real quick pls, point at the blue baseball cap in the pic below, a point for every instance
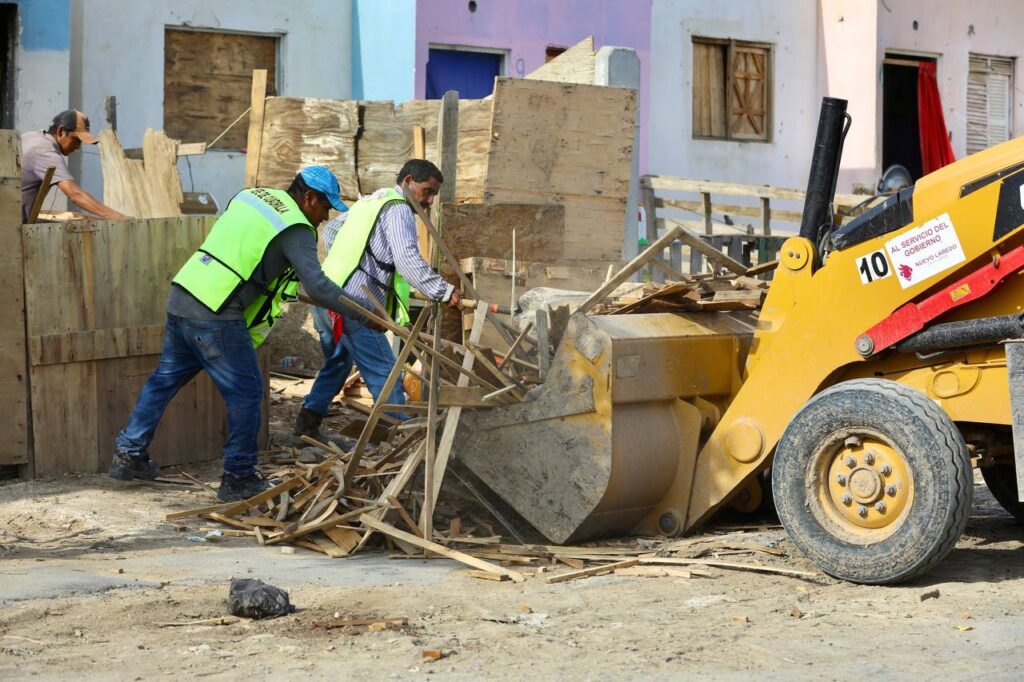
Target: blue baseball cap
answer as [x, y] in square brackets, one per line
[323, 181]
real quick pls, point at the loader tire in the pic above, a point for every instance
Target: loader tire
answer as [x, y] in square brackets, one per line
[872, 481]
[1001, 479]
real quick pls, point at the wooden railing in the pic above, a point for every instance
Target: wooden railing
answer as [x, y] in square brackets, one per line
[744, 221]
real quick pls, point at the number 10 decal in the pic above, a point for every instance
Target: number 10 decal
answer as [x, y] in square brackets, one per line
[873, 266]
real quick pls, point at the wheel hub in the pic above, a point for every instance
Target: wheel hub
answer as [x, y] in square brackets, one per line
[869, 485]
[865, 485]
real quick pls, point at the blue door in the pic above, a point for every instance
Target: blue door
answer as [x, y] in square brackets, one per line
[470, 73]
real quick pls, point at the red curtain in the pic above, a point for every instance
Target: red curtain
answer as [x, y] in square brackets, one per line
[936, 151]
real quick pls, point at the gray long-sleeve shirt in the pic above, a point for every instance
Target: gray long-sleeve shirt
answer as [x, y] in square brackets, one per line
[295, 246]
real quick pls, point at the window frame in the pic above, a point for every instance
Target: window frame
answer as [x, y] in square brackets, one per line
[730, 45]
[1011, 63]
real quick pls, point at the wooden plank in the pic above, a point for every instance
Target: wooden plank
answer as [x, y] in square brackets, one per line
[757, 568]
[391, 531]
[710, 252]
[587, 572]
[731, 209]
[651, 252]
[384, 143]
[83, 346]
[451, 423]
[447, 146]
[543, 342]
[378, 409]
[675, 184]
[569, 144]
[419, 151]
[298, 132]
[575, 65]
[162, 182]
[44, 189]
[14, 373]
[257, 118]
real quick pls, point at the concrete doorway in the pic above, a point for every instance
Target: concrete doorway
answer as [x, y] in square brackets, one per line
[901, 130]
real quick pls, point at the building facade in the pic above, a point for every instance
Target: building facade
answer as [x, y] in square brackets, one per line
[736, 87]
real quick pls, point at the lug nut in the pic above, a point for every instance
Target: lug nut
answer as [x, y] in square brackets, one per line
[850, 461]
[840, 479]
[890, 490]
[847, 500]
[880, 507]
[886, 469]
[869, 458]
[862, 510]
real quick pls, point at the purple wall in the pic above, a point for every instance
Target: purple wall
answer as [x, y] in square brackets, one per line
[527, 27]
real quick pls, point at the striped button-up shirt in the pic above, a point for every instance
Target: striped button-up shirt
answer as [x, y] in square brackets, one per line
[392, 241]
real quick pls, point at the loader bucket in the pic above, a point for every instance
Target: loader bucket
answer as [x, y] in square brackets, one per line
[616, 426]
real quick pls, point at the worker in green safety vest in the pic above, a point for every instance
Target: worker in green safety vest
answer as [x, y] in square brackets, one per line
[373, 248]
[223, 303]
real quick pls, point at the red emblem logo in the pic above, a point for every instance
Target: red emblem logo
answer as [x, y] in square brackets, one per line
[906, 271]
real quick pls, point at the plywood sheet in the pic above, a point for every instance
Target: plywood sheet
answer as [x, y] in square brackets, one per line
[14, 446]
[486, 230]
[300, 132]
[94, 290]
[567, 144]
[147, 188]
[386, 142]
[207, 77]
[575, 65]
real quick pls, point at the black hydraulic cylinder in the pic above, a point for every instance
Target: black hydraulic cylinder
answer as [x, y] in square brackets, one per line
[821, 185]
[987, 330]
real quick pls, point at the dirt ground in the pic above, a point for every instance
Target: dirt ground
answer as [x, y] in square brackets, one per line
[89, 571]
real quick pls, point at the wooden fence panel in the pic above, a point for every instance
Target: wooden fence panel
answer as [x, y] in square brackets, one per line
[96, 296]
[14, 447]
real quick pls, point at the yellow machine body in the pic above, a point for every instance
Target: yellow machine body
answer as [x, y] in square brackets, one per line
[651, 423]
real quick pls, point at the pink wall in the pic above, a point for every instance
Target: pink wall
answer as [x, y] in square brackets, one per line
[527, 27]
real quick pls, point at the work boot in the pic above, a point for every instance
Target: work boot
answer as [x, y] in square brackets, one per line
[234, 489]
[125, 467]
[307, 423]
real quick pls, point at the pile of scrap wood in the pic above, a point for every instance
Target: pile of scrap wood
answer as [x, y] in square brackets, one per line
[698, 293]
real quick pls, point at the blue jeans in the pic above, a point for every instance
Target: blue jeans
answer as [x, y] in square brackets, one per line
[225, 351]
[368, 349]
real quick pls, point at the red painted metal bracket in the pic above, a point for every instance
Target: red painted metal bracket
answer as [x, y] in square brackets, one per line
[912, 317]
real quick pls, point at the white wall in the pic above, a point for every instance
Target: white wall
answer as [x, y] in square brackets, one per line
[849, 57]
[118, 49]
[791, 27]
[991, 27]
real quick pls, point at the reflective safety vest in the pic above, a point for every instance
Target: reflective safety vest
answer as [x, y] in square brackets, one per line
[234, 247]
[353, 240]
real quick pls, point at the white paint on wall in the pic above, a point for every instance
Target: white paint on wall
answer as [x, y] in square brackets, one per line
[790, 28]
[41, 89]
[121, 48]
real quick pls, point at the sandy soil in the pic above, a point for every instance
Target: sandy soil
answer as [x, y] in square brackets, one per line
[88, 571]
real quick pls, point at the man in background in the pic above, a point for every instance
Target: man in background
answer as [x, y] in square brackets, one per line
[375, 249]
[41, 149]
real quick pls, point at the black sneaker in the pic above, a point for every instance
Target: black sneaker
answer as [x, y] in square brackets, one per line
[124, 467]
[234, 489]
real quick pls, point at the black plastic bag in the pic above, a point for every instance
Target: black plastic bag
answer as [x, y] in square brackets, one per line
[250, 598]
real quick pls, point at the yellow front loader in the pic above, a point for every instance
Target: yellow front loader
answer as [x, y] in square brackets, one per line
[874, 375]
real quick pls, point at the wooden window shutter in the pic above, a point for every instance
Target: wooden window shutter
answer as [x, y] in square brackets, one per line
[709, 89]
[749, 92]
[989, 101]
